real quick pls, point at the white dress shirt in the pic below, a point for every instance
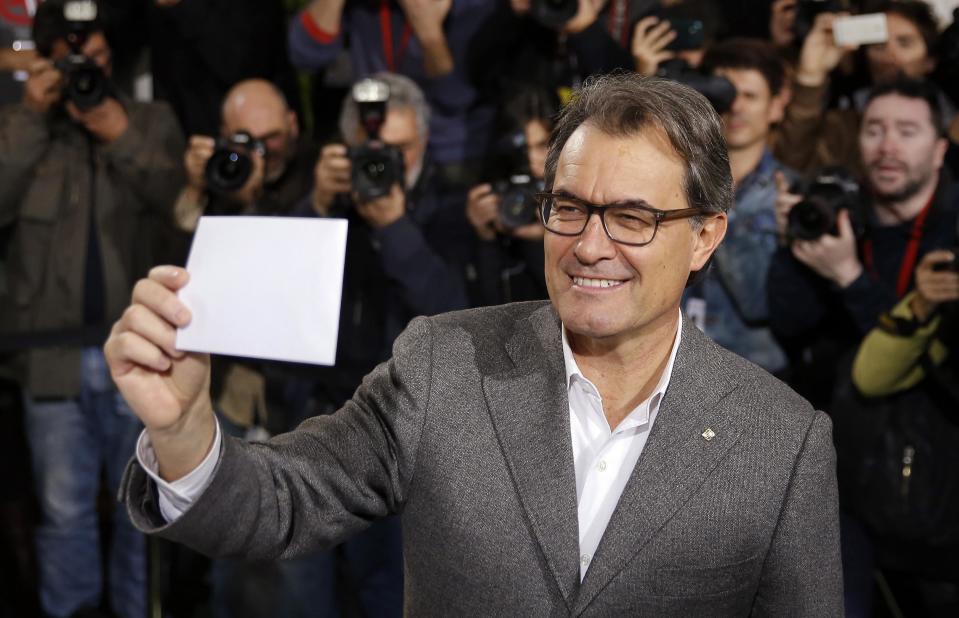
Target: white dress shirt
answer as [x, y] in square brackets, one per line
[604, 459]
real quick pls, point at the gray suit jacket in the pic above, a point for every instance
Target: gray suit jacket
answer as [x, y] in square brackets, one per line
[465, 431]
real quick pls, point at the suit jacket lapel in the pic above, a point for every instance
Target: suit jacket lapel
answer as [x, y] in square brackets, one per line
[530, 413]
[674, 463]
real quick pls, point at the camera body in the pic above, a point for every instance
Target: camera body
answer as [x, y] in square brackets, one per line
[553, 13]
[830, 191]
[516, 204]
[718, 90]
[376, 166]
[86, 84]
[231, 163]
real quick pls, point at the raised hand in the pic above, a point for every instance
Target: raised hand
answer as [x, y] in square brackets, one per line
[169, 390]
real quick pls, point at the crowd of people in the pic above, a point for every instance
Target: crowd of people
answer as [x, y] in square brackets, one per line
[122, 124]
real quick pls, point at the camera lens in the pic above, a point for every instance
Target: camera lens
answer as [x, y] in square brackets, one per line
[227, 170]
[811, 219]
[374, 169]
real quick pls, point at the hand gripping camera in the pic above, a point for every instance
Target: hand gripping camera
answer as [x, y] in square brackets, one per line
[86, 84]
[231, 163]
[831, 190]
[376, 166]
[517, 207]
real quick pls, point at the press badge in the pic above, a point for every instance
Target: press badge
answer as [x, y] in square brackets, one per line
[696, 311]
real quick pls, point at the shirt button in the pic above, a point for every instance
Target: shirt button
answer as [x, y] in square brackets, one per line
[602, 465]
[584, 559]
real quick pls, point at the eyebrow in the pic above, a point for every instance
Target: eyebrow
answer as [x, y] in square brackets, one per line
[637, 202]
[899, 124]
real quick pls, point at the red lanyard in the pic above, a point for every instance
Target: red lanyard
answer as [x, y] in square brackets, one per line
[911, 255]
[386, 32]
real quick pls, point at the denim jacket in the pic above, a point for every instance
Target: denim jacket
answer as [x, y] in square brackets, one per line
[734, 288]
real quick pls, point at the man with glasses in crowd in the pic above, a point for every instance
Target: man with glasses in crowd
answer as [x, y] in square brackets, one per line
[590, 455]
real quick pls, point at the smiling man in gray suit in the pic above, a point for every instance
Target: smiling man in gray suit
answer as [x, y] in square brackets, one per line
[594, 455]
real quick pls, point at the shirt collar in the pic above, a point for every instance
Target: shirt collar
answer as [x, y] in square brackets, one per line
[642, 412]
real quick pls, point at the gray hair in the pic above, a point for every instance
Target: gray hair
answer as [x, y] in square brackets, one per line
[404, 93]
[624, 104]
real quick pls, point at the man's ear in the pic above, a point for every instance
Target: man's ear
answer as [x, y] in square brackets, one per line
[706, 238]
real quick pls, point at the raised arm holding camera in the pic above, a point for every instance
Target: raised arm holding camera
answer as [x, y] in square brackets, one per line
[407, 238]
[812, 136]
[88, 178]
[508, 262]
[850, 252]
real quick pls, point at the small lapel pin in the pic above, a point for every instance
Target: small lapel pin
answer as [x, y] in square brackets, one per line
[709, 434]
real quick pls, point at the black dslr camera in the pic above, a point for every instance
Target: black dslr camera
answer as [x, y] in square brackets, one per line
[553, 13]
[831, 190]
[376, 166]
[718, 90]
[231, 163]
[516, 204]
[86, 84]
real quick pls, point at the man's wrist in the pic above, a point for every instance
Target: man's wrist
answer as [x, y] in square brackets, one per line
[847, 275]
[812, 78]
[922, 308]
[184, 445]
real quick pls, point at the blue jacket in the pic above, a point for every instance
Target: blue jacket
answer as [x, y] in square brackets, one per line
[734, 289]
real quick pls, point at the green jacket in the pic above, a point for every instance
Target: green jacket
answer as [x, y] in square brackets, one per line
[47, 164]
[887, 363]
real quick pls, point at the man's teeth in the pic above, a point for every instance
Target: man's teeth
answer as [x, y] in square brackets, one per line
[595, 283]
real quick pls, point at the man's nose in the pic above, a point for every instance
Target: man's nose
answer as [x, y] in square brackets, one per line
[594, 244]
[889, 145]
[737, 105]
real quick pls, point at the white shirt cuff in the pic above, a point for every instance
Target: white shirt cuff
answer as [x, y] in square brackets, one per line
[176, 497]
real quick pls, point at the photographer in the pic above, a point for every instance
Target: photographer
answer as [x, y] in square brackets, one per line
[729, 302]
[405, 247]
[88, 176]
[403, 254]
[508, 264]
[843, 264]
[904, 466]
[895, 355]
[260, 165]
[826, 293]
[809, 137]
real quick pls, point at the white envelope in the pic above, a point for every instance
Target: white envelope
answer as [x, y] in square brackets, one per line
[265, 287]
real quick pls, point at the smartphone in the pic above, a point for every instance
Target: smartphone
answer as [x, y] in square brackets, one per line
[860, 30]
[690, 34]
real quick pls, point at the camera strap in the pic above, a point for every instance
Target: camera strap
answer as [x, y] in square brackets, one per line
[386, 33]
[617, 21]
[911, 254]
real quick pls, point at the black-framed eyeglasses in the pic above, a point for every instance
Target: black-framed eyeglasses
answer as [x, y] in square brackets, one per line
[628, 224]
